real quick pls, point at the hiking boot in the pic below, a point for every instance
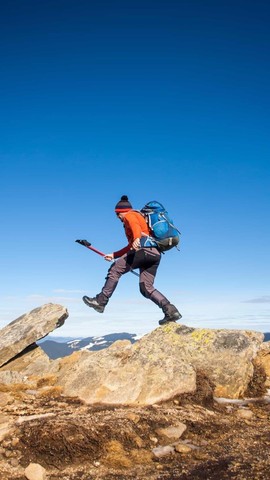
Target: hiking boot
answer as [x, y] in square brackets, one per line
[171, 314]
[92, 302]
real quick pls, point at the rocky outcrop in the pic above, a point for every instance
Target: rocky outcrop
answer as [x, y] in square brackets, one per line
[225, 356]
[162, 365]
[44, 433]
[32, 361]
[29, 328]
[166, 363]
[140, 374]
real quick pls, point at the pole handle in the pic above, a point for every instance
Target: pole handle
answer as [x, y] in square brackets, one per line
[87, 244]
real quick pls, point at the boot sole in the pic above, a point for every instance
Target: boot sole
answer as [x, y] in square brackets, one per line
[98, 309]
[176, 317]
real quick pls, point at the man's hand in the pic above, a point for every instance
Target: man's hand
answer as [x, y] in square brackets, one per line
[109, 257]
[136, 244]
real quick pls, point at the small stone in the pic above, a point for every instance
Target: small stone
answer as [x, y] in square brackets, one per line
[14, 462]
[15, 442]
[173, 432]
[163, 451]
[183, 448]
[8, 454]
[34, 471]
[244, 413]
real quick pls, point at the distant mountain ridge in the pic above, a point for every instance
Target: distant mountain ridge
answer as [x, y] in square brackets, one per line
[64, 346]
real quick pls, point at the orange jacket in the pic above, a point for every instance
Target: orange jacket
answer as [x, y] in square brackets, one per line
[134, 225]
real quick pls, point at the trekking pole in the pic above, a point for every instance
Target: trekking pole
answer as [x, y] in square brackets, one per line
[87, 244]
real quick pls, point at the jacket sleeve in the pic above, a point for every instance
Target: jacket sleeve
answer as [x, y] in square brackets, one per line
[121, 252]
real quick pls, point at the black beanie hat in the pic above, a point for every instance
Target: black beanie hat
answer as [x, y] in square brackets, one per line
[123, 205]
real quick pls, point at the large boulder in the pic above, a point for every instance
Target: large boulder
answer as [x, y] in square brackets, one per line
[161, 365]
[29, 328]
[225, 356]
[140, 374]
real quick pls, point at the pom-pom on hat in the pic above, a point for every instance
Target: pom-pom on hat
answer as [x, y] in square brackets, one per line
[123, 205]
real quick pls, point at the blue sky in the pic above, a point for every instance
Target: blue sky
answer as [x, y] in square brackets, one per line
[156, 100]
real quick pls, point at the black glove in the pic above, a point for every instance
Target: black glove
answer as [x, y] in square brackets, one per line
[85, 243]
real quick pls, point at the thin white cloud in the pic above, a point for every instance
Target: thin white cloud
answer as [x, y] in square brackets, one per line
[36, 298]
[62, 290]
[263, 299]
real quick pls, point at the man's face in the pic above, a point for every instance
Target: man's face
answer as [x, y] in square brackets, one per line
[120, 216]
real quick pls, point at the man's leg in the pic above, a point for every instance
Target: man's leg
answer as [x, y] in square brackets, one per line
[121, 266]
[148, 272]
[147, 289]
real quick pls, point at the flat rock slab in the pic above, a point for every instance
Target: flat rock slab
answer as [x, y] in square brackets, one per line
[29, 328]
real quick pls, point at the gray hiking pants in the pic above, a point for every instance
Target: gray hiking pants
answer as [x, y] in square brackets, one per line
[147, 260]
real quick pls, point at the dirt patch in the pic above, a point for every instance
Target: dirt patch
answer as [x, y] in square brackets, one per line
[116, 443]
[56, 442]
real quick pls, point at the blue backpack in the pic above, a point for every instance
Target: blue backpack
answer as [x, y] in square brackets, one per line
[162, 229]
